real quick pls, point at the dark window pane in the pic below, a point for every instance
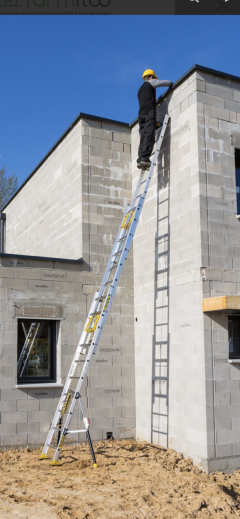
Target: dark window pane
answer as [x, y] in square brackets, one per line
[36, 350]
[234, 337]
[238, 189]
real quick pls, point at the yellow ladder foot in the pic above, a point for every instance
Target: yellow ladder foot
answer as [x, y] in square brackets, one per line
[95, 465]
[55, 462]
[43, 457]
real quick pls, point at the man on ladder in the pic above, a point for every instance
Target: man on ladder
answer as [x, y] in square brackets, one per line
[147, 116]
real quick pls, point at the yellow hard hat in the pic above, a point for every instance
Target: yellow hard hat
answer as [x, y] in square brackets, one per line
[149, 72]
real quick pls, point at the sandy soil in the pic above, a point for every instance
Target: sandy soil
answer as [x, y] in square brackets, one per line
[133, 480]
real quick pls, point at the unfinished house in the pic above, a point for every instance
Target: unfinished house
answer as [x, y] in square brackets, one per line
[167, 369]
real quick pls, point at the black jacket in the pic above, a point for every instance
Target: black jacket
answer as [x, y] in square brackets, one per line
[146, 98]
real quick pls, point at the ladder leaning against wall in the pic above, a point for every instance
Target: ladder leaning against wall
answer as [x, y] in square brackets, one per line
[98, 312]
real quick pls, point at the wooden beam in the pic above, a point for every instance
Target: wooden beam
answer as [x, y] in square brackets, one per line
[220, 303]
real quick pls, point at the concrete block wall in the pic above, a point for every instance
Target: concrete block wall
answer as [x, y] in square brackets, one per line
[218, 134]
[44, 218]
[108, 393]
[170, 366]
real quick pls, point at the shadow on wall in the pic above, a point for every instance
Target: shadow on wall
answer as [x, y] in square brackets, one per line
[160, 348]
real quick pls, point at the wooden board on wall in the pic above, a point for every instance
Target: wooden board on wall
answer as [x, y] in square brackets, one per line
[220, 303]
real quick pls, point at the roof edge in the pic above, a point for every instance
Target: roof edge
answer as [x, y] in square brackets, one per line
[184, 76]
[42, 258]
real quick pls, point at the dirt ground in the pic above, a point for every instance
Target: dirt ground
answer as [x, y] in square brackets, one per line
[133, 480]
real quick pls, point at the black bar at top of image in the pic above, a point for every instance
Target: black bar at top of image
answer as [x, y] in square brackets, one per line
[87, 7]
[217, 7]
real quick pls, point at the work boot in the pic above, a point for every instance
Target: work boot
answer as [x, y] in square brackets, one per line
[144, 164]
[138, 163]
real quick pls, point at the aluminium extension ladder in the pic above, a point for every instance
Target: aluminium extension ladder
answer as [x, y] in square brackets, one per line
[98, 313]
[27, 347]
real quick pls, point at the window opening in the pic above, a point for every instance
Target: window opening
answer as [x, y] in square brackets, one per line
[234, 336]
[36, 351]
[237, 169]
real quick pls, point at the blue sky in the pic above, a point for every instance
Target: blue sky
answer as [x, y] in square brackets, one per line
[53, 67]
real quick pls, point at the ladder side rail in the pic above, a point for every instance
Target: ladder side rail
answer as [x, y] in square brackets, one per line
[162, 133]
[115, 249]
[119, 236]
[29, 350]
[137, 188]
[24, 330]
[111, 262]
[24, 347]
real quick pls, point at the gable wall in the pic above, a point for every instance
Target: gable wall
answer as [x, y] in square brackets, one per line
[45, 219]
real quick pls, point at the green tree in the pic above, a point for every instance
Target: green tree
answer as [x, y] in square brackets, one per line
[8, 186]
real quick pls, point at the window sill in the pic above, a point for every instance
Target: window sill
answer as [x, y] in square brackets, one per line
[234, 361]
[35, 386]
[238, 217]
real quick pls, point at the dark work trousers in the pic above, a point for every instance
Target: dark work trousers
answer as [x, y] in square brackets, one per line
[147, 127]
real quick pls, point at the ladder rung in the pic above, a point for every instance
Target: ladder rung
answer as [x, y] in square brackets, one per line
[117, 253]
[131, 210]
[138, 196]
[124, 238]
[81, 346]
[143, 182]
[78, 430]
[108, 282]
[114, 267]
